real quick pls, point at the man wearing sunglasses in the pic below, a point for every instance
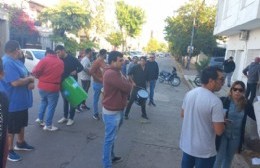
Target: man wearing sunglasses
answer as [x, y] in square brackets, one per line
[153, 73]
[203, 119]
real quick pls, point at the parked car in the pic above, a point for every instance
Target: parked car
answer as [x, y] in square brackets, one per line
[136, 54]
[217, 61]
[32, 57]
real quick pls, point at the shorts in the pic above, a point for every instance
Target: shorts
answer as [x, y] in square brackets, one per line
[17, 120]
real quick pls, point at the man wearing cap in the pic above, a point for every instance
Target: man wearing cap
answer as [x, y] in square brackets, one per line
[229, 67]
[252, 72]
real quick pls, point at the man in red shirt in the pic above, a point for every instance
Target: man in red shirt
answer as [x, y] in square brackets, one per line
[49, 72]
[116, 90]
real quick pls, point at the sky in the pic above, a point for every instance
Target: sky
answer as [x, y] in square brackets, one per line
[156, 12]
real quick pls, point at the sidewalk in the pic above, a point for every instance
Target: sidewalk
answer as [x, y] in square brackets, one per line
[242, 160]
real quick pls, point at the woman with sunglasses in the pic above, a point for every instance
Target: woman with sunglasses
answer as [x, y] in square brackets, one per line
[236, 108]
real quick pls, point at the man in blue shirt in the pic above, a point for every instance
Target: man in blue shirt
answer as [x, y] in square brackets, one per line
[18, 85]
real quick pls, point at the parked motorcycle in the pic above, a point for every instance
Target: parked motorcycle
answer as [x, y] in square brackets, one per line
[170, 78]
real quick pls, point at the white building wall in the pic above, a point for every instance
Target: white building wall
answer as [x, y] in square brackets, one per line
[232, 17]
[236, 15]
[244, 52]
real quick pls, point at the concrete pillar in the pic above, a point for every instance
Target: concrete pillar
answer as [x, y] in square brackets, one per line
[4, 30]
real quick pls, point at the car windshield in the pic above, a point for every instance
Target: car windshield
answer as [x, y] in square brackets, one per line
[39, 54]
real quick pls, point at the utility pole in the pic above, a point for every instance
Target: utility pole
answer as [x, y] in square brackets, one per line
[190, 47]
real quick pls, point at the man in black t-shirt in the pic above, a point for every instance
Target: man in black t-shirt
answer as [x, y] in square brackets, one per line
[138, 74]
[72, 67]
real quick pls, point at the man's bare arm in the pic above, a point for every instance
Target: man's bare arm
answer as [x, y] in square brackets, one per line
[182, 113]
[219, 127]
[23, 81]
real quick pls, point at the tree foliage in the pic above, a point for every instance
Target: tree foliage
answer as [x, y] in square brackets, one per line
[97, 25]
[179, 27]
[152, 46]
[67, 17]
[72, 17]
[22, 26]
[115, 38]
[130, 20]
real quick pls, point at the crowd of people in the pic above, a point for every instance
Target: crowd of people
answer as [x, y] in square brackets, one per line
[212, 129]
[104, 73]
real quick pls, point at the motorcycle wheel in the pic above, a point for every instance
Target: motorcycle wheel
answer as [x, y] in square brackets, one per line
[161, 80]
[197, 81]
[176, 81]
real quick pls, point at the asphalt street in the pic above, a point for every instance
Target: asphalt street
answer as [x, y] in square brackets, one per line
[141, 145]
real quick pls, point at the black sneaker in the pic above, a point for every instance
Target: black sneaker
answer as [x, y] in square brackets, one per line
[145, 117]
[85, 107]
[79, 110]
[126, 118]
[96, 117]
[23, 146]
[150, 103]
[153, 104]
[117, 159]
[13, 156]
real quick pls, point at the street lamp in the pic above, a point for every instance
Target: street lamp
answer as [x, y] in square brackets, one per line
[190, 47]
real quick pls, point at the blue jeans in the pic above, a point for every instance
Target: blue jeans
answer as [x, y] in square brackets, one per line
[228, 148]
[228, 76]
[189, 161]
[50, 100]
[251, 90]
[69, 111]
[97, 90]
[112, 125]
[152, 87]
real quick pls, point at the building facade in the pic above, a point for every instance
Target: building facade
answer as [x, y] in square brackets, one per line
[239, 21]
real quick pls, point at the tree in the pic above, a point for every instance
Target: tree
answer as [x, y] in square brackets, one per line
[66, 18]
[152, 46]
[163, 47]
[130, 20]
[22, 27]
[115, 38]
[97, 25]
[179, 27]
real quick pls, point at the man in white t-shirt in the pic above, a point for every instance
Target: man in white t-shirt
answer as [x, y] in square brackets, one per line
[85, 76]
[203, 119]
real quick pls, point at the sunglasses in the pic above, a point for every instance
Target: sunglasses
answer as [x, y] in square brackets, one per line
[238, 89]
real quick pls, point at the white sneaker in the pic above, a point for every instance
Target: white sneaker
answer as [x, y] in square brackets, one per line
[50, 128]
[62, 120]
[70, 122]
[40, 122]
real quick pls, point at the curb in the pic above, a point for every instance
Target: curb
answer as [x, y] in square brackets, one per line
[184, 79]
